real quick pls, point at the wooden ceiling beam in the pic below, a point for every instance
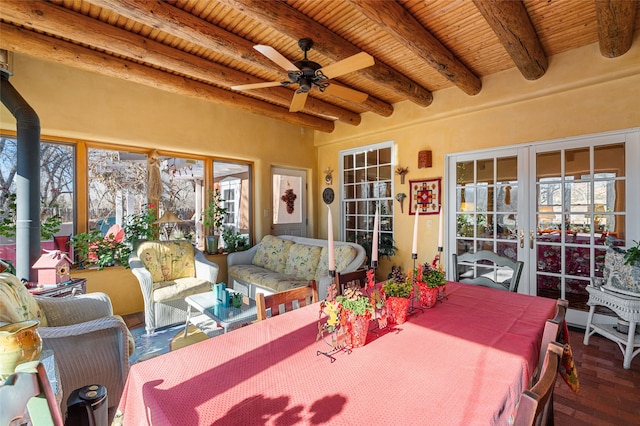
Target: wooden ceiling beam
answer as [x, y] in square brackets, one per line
[616, 22]
[393, 18]
[50, 49]
[181, 24]
[510, 21]
[289, 21]
[62, 22]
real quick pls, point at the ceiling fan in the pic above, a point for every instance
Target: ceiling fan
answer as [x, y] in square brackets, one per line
[308, 74]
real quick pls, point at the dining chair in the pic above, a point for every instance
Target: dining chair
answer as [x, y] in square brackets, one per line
[351, 279]
[284, 301]
[486, 268]
[536, 404]
[552, 329]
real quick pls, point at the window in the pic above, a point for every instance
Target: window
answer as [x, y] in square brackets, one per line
[57, 201]
[117, 186]
[366, 180]
[233, 179]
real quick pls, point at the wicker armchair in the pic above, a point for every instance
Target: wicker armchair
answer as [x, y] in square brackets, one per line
[169, 271]
[89, 343]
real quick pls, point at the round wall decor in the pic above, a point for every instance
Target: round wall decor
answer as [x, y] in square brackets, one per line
[327, 195]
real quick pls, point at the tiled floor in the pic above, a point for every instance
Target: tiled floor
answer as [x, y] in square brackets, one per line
[609, 394]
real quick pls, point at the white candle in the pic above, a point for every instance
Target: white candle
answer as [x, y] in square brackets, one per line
[331, 254]
[440, 229]
[374, 245]
[414, 247]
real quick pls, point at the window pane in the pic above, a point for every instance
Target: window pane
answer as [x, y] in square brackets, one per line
[117, 187]
[234, 182]
[182, 180]
[57, 177]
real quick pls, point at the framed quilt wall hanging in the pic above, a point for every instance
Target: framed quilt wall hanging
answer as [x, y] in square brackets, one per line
[424, 196]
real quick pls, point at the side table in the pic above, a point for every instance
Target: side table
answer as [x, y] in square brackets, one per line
[70, 288]
[225, 316]
[627, 308]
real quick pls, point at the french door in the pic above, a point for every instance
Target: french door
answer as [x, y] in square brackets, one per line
[554, 205]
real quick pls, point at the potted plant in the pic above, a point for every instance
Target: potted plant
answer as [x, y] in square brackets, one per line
[398, 291]
[234, 241]
[235, 299]
[139, 227]
[431, 282]
[357, 311]
[81, 244]
[212, 218]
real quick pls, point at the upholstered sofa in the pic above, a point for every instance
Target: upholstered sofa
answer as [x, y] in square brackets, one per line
[169, 271]
[279, 263]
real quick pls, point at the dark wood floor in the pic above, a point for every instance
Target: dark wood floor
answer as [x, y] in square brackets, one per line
[609, 394]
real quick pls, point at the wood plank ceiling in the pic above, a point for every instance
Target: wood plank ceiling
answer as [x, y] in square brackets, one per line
[201, 48]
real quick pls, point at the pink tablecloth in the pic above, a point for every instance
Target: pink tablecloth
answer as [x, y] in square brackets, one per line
[465, 361]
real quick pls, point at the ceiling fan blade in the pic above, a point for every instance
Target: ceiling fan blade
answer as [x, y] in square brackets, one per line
[345, 66]
[346, 93]
[276, 57]
[298, 101]
[257, 85]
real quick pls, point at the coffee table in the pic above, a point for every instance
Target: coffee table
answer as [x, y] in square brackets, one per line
[225, 316]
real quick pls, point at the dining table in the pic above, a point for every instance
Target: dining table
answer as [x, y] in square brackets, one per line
[463, 362]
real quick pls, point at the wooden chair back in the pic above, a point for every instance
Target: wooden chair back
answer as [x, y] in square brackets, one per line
[536, 404]
[285, 301]
[552, 329]
[351, 279]
[480, 269]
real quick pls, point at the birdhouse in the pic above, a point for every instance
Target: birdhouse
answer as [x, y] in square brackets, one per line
[53, 268]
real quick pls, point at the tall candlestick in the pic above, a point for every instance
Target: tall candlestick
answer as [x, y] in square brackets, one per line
[440, 229]
[414, 247]
[374, 245]
[331, 254]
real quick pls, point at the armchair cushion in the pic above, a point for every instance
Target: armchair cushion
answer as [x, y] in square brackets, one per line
[16, 303]
[273, 253]
[179, 288]
[167, 260]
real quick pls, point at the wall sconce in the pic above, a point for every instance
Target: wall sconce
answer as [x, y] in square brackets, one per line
[402, 171]
[328, 179]
[424, 159]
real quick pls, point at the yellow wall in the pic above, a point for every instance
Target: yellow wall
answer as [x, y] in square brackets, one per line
[77, 104]
[581, 93]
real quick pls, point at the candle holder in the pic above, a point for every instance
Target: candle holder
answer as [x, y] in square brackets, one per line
[412, 308]
[380, 317]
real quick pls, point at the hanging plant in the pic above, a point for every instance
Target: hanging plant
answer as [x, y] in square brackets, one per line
[289, 197]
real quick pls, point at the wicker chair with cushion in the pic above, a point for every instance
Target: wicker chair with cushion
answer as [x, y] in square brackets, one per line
[169, 271]
[89, 343]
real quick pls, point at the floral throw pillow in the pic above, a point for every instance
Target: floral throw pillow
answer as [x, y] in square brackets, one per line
[303, 261]
[272, 253]
[344, 255]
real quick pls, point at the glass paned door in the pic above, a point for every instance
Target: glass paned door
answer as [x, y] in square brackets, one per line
[488, 211]
[581, 207]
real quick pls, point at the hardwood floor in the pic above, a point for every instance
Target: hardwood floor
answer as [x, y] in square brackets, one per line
[609, 394]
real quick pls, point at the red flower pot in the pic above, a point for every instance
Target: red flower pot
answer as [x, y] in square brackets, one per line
[397, 309]
[428, 295]
[357, 330]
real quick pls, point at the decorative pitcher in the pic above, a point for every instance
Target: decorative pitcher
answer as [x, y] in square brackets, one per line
[19, 343]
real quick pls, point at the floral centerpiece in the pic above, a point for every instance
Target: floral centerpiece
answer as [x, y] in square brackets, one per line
[398, 291]
[356, 313]
[431, 282]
